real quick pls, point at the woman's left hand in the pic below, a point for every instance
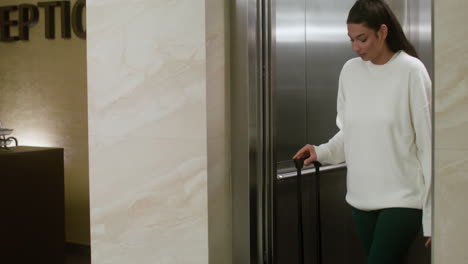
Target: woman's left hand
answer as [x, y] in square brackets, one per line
[428, 242]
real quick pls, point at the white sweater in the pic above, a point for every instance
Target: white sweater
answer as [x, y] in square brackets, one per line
[384, 116]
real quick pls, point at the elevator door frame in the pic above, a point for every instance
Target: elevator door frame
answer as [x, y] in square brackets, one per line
[251, 132]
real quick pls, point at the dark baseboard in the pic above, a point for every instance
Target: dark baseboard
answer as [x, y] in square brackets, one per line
[77, 249]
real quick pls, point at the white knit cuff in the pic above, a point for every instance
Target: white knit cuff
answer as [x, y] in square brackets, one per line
[427, 228]
[322, 153]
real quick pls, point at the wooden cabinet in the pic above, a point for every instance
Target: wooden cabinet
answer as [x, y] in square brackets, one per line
[32, 222]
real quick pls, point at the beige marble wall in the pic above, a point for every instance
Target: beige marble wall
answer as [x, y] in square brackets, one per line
[451, 130]
[219, 188]
[148, 131]
[43, 97]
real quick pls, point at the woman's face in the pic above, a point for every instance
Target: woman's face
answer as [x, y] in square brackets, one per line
[366, 42]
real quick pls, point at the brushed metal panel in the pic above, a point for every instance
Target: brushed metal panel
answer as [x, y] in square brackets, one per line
[328, 48]
[419, 30]
[289, 76]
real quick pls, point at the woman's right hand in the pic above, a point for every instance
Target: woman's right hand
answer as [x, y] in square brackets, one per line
[308, 153]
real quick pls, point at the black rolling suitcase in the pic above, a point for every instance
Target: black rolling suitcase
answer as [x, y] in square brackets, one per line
[299, 163]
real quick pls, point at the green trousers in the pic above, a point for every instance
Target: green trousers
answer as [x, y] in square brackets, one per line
[387, 234]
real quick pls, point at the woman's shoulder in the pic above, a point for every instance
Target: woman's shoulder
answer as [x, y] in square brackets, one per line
[352, 64]
[410, 63]
[412, 67]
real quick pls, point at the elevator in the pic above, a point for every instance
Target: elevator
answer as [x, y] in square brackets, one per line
[286, 57]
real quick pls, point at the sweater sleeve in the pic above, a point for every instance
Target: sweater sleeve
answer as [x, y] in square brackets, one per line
[421, 107]
[332, 152]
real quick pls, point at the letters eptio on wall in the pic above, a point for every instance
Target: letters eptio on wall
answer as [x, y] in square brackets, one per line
[21, 18]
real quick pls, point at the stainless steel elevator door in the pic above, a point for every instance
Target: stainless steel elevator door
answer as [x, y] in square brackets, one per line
[289, 76]
[328, 48]
[311, 45]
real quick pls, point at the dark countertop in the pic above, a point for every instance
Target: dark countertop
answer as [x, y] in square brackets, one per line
[22, 149]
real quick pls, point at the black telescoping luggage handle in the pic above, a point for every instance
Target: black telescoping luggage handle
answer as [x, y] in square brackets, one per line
[299, 163]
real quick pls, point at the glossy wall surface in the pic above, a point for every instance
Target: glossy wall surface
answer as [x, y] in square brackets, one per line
[451, 128]
[148, 131]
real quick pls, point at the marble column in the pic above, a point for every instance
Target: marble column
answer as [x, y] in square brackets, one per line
[148, 131]
[451, 130]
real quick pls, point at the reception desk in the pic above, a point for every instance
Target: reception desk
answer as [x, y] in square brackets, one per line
[32, 221]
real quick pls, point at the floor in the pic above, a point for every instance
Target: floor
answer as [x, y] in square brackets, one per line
[78, 259]
[77, 254]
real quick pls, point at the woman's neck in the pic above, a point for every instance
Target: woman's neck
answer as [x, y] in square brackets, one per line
[384, 56]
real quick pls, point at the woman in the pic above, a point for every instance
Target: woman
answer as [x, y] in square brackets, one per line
[384, 116]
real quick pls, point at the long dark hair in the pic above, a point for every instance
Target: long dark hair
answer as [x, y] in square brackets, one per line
[374, 13]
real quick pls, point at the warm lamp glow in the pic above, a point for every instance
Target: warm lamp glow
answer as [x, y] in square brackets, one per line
[36, 139]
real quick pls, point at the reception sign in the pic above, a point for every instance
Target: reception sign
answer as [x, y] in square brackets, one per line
[26, 16]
